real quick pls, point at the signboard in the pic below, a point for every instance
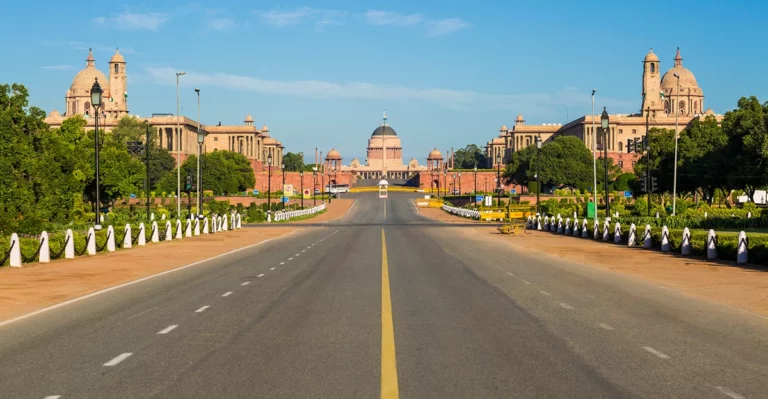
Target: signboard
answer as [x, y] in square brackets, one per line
[133, 195]
[288, 190]
[591, 210]
[285, 199]
[627, 194]
[513, 191]
[489, 201]
[478, 198]
[306, 193]
[255, 192]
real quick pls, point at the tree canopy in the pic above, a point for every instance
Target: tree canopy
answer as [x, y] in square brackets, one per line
[469, 157]
[223, 172]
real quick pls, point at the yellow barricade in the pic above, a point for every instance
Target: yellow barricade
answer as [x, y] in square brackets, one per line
[498, 215]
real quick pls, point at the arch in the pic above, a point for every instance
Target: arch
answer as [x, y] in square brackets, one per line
[621, 146]
[653, 68]
[681, 106]
[87, 109]
[666, 107]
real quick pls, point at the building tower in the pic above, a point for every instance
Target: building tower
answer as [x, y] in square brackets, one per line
[651, 84]
[118, 89]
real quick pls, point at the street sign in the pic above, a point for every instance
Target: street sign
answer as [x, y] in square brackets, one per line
[489, 201]
[285, 199]
[478, 198]
[288, 190]
[133, 195]
[628, 194]
[255, 192]
[591, 210]
[306, 193]
[513, 191]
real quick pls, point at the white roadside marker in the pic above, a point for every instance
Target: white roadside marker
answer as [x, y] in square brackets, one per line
[655, 352]
[227, 293]
[118, 359]
[168, 329]
[201, 310]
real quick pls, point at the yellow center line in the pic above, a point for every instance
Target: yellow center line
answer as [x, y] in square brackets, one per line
[389, 387]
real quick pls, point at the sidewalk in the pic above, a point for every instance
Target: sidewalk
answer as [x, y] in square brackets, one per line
[741, 287]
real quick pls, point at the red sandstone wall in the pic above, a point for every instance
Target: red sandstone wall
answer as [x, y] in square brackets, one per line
[486, 181]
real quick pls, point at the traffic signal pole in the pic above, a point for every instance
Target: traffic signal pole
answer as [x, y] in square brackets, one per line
[647, 147]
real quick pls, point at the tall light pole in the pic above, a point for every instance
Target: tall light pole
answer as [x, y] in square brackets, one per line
[146, 150]
[200, 140]
[269, 185]
[648, 178]
[96, 93]
[282, 200]
[594, 152]
[459, 182]
[453, 190]
[677, 114]
[475, 170]
[498, 179]
[538, 179]
[178, 148]
[445, 181]
[314, 186]
[604, 122]
[301, 179]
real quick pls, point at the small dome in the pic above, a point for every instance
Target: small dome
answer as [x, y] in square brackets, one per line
[503, 128]
[333, 155]
[264, 128]
[249, 118]
[519, 118]
[435, 154]
[117, 57]
[55, 114]
[384, 130]
[651, 57]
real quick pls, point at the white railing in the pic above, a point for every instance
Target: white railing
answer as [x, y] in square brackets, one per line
[194, 227]
[287, 215]
[467, 213]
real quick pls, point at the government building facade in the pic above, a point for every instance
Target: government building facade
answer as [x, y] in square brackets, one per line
[675, 95]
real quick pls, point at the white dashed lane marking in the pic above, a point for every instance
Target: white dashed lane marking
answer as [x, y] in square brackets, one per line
[290, 258]
[655, 352]
[527, 282]
[53, 397]
[545, 293]
[271, 268]
[729, 393]
[168, 329]
[511, 274]
[202, 309]
[605, 326]
[118, 359]
[565, 305]
[260, 275]
[246, 283]
[282, 263]
[227, 293]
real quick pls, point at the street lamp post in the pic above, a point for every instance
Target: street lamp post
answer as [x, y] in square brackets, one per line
[314, 186]
[200, 140]
[453, 190]
[330, 186]
[677, 114]
[648, 178]
[475, 179]
[498, 179]
[301, 179]
[445, 182]
[604, 125]
[269, 187]
[459, 183]
[282, 166]
[96, 94]
[322, 183]
[146, 150]
[594, 152]
[538, 179]
[178, 148]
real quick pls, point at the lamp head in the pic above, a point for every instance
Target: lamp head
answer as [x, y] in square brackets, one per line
[197, 91]
[96, 93]
[604, 119]
[538, 142]
[269, 159]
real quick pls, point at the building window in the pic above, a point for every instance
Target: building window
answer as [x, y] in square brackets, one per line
[634, 131]
[634, 163]
[87, 108]
[621, 131]
[621, 164]
[653, 68]
[215, 139]
[621, 147]
[117, 68]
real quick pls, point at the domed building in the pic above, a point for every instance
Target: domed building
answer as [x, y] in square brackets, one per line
[689, 100]
[115, 96]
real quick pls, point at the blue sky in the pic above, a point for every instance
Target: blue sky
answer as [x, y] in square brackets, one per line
[448, 73]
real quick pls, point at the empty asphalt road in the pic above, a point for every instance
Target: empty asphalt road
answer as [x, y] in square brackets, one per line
[384, 303]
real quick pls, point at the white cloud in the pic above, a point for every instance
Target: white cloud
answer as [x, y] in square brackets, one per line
[283, 19]
[537, 104]
[445, 26]
[127, 20]
[433, 28]
[221, 24]
[378, 17]
[60, 67]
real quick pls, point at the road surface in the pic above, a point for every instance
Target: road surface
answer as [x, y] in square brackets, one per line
[383, 303]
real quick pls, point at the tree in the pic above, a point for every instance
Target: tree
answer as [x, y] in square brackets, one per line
[703, 156]
[563, 161]
[469, 156]
[294, 162]
[223, 172]
[662, 143]
[747, 131]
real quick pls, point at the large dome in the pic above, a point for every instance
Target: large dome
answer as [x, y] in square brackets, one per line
[83, 81]
[687, 80]
[384, 130]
